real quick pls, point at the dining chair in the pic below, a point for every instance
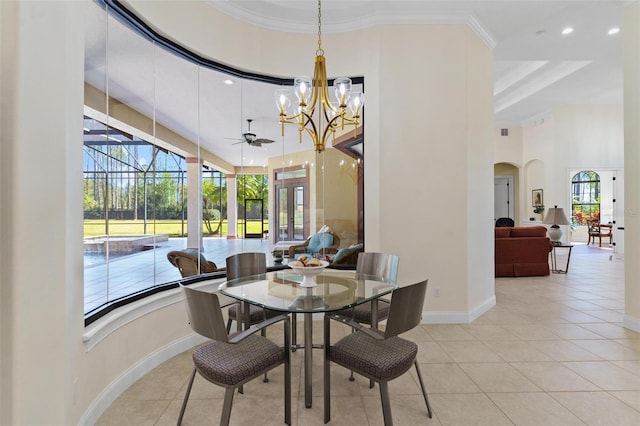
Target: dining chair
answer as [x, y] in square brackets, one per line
[380, 356]
[231, 361]
[369, 263]
[243, 265]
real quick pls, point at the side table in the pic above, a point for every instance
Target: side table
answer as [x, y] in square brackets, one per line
[554, 262]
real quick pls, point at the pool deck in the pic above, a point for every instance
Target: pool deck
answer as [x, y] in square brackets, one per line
[128, 274]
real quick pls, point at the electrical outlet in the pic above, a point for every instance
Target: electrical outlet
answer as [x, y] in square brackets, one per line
[436, 292]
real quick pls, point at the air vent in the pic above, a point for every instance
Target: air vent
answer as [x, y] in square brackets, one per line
[504, 132]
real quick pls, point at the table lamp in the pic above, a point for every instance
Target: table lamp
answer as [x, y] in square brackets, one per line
[555, 216]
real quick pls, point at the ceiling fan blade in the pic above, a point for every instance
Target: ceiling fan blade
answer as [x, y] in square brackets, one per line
[262, 140]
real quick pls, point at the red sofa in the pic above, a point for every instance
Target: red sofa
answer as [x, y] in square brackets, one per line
[522, 251]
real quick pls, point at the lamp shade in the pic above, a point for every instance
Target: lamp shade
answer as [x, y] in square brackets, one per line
[556, 216]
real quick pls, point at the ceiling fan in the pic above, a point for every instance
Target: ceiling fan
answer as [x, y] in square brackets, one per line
[251, 138]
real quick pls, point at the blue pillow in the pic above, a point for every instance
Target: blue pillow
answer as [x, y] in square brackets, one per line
[342, 253]
[319, 241]
[195, 253]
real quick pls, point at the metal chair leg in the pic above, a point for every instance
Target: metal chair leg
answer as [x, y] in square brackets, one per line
[294, 332]
[226, 407]
[229, 325]
[386, 404]
[263, 333]
[424, 389]
[186, 396]
[287, 373]
[327, 370]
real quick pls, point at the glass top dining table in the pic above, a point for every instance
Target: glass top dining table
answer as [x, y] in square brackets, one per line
[282, 291]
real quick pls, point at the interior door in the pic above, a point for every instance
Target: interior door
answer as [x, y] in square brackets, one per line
[503, 197]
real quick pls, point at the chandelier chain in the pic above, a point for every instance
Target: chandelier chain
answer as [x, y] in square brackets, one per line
[319, 52]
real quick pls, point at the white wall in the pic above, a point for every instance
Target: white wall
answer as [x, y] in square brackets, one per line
[41, 222]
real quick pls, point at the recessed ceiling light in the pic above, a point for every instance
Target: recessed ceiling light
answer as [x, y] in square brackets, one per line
[229, 82]
[614, 30]
[567, 30]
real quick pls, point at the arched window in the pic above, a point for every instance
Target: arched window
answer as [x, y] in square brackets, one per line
[585, 192]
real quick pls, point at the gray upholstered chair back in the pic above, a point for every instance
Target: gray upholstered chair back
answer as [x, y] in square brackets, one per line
[205, 316]
[379, 265]
[245, 264]
[406, 307]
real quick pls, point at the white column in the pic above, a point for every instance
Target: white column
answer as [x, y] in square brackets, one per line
[631, 42]
[232, 207]
[41, 268]
[194, 203]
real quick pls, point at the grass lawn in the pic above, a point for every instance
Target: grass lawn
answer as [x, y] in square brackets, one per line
[174, 228]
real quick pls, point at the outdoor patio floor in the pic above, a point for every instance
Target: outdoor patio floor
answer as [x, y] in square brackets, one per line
[125, 275]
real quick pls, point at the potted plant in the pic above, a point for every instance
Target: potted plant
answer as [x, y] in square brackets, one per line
[277, 254]
[539, 210]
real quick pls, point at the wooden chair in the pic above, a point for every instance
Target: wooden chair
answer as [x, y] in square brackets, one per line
[599, 230]
[232, 361]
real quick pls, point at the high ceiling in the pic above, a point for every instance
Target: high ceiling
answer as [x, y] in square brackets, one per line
[536, 68]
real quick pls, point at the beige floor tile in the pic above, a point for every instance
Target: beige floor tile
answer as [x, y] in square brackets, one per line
[157, 384]
[611, 331]
[631, 398]
[609, 349]
[631, 366]
[582, 305]
[446, 332]
[554, 377]
[489, 332]
[499, 377]
[572, 331]
[134, 412]
[606, 375]
[564, 350]
[405, 410]
[532, 332]
[578, 317]
[432, 352]
[515, 351]
[467, 409]
[534, 409]
[346, 411]
[447, 378]
[608, 410]
[471, 351]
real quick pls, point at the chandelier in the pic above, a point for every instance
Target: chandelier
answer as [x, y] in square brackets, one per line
[316, 114]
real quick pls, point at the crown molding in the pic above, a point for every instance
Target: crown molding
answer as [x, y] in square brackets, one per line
[382, 14]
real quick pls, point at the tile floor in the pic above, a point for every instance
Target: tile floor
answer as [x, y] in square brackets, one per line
[551, 352]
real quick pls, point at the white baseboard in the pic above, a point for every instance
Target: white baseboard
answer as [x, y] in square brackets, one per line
[631, 323]
[458, 317]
